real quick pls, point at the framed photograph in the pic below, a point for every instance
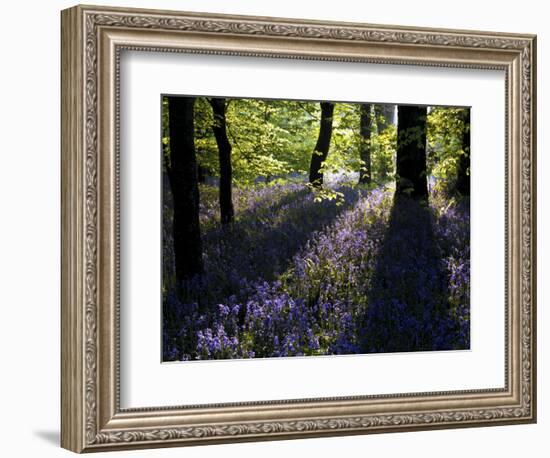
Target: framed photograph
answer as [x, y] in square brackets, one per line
[278, 228]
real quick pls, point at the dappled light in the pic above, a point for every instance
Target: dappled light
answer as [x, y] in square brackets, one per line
[324, 229]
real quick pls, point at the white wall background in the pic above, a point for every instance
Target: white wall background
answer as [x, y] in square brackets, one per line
[29, 229]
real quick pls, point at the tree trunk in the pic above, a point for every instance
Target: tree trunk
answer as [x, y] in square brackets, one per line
[185, 190]
[201, 174]
[365, 176]
[224, 151]
[463, 172]
[411, 177]
[323, 142]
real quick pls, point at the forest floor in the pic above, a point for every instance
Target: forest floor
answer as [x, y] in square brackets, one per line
[297, 276]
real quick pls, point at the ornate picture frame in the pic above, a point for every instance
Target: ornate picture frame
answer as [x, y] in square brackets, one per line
[92, 41]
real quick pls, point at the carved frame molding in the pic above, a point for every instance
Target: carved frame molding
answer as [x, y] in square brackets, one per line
[92, 39]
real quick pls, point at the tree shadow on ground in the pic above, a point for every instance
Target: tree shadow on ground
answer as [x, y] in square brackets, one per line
[260, 245]
[257, 247]
[408, 298]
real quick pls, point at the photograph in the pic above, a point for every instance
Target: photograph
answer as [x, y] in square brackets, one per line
[313, 228]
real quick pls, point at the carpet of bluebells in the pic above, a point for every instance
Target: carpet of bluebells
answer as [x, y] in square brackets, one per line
[296, 275]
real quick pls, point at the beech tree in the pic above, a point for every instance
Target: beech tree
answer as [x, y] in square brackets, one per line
[365, 173]
[322, 146]
[183, 178]
[463, 169]
[411, 177]
[219, 128]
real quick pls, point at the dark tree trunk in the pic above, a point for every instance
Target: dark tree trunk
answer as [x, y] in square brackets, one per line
[384, 116]
[411, 177]
[201, 174]
[185, 190]
[323, 142]
[463, 176]
[365, 147]
[224, 151]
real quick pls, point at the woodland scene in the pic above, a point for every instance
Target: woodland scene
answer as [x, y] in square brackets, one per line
[308, 228]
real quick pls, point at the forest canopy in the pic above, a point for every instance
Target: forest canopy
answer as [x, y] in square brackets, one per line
[273, 140]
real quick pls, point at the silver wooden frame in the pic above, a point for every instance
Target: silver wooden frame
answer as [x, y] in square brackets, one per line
[92, 39]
